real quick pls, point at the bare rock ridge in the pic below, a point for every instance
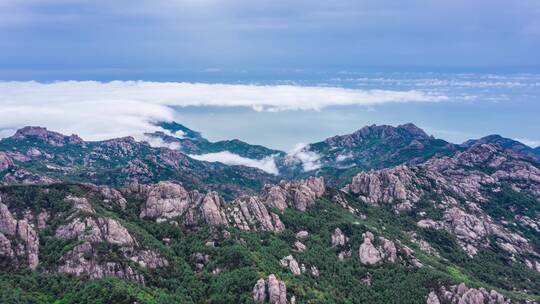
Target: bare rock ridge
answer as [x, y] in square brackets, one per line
[167, 200]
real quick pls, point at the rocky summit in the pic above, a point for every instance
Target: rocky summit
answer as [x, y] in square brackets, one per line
[382, 215]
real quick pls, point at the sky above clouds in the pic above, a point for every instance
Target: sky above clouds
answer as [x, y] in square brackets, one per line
[271, 72]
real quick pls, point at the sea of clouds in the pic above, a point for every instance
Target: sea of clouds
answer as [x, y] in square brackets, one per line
[103, 110]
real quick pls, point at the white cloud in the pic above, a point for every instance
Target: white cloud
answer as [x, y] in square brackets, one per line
[301, 154]
[266, 164]
[97, 110]
[529, 142]
[343, 157]
[159, 142]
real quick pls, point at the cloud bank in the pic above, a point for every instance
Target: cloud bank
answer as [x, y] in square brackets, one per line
[102, 110]
[301, 155]
[266, 164]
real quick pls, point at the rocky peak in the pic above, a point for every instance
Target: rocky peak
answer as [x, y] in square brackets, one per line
[505, 143]
[414, 130]
[52, 138]
[408, 130]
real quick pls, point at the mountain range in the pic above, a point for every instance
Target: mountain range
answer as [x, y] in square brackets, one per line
[383, 215]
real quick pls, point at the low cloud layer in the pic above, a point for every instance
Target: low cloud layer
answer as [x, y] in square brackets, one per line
[266, 164]
[308, 159]
[98, 110]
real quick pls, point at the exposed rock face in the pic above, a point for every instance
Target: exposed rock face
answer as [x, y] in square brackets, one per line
[168, 200]
[369, 255]
[5, 247]
[338, 238]
[505, 143]
[386, 251]
[259, 291]
[33, 152]
[291, 263]
[249, 213]
[95, 231]
[463, 295]
[80, 203]
[84, 261]
[300, 246]
[22, 176]
[271, 291]
[52, 138]
[403, 185]
[459, 186]
[298, 194]
[22, 230]
[395, 185]
[302, 235]
[5, 162]
[109, 195]
[472, 229]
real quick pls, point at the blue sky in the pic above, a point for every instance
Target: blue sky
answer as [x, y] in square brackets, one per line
[461, 69]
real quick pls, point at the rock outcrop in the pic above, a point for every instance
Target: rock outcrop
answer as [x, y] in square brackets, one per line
[473, 230]
[368, 253]
[463, 295]
[168, 200]
[87, 261]
[458, 176]
[5, 161]
[291, 263]
[52, 138]
[271, 291]
[339, 238]
[249, 213]
[24, 233]
[459, 186]
[385, 251]
[294, 194]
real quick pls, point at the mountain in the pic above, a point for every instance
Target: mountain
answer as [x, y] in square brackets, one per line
[418, 220]
[37, 155]
[454, 229]
[192, 142]
[506, 143]
[372, 147]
